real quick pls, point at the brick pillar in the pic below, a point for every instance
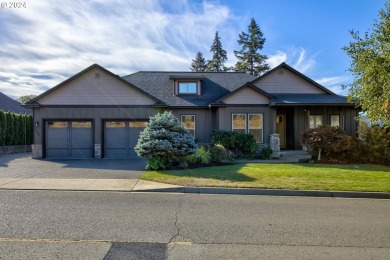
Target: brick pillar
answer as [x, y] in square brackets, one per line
[36, 151]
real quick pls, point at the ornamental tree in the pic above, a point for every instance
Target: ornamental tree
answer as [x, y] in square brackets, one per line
[164, 141]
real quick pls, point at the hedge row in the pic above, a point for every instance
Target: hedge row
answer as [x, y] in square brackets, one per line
[15, 129]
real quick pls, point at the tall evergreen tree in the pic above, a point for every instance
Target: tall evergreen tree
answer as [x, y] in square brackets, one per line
[216, 64]
[199, 63]
[249, 58]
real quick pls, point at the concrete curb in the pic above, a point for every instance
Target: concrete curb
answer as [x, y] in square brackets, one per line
[273, 192]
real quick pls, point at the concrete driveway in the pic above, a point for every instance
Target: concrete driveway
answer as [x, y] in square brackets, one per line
[19, 171]
[22, 166]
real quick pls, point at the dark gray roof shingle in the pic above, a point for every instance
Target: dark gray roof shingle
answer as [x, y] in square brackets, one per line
[214, 85]
[7, 104]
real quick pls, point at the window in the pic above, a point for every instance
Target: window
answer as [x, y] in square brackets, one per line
[115, 124]
[81, 124]
[239, 123]
[57, 124]
[137, 124]
[335, 120]
[249, 123]
[188, 121]
[315, 121]
[255, 122]
[187, 88]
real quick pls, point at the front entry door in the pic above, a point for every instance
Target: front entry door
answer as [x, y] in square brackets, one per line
[281, 129]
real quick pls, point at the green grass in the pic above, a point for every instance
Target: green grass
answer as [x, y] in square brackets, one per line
[281, 176]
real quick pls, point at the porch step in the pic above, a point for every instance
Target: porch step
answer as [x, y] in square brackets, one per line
[295, 156]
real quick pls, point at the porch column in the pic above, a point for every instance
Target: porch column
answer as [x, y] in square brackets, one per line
[273, 120]
[307, 118]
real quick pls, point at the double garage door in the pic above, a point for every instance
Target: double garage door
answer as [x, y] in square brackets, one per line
[69, 139]
[120, 138]
[74, 139]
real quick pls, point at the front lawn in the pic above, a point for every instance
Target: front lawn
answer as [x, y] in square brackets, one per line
[281, 176]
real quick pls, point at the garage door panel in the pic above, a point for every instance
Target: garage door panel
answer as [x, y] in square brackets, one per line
[69, 139]
[82, 138]
[115, 153]
[81, 153]
[121, 137]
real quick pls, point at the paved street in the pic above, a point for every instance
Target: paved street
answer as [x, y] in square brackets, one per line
[117, 225]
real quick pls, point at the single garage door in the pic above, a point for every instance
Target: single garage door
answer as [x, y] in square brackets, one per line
[120, 138]
[69, 139]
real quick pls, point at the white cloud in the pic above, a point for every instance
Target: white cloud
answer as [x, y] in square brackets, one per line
[52, 40]
[334, 83]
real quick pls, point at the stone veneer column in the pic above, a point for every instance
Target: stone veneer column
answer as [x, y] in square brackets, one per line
[274, 144]
[98, 151]
[36, 151]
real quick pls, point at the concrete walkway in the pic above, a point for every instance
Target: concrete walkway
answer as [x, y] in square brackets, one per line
[20, 172]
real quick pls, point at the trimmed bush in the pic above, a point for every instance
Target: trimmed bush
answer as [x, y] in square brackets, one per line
[265, 153]
[164, 141]
[239, 143]
[218, 153]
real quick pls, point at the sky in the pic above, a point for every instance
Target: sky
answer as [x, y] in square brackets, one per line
[45, 42]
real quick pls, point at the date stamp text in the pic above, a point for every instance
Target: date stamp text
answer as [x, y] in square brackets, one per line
[13, 5]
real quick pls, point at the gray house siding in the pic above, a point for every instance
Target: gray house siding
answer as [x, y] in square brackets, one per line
[203, 122]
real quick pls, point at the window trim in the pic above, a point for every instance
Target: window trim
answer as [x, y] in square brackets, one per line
[181, 122]
[247, 128]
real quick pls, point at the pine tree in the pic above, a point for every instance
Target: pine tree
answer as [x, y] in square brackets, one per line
[216, 64]
[249, 58]
[199, 63]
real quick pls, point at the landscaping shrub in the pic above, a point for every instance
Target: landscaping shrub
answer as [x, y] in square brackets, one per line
[202, 156]
[328, 140]
[239, 143]
[265, 153]
[164, 141]
[218, 153]
[372, 145]
[15, 129]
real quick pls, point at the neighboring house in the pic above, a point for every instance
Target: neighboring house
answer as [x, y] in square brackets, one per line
[98, 114]
[7, 104]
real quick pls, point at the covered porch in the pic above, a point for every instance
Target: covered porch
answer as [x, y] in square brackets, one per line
[292, 113]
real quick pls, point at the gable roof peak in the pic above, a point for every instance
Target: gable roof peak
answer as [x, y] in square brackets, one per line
[296, 72]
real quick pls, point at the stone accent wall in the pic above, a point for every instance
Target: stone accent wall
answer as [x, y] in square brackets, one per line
[98, 151]
[15, 149]
[274, 144]
[36, 151]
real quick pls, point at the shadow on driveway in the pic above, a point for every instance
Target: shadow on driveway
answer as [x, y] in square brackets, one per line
[22, 166]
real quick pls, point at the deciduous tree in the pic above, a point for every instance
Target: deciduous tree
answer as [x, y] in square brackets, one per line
[370, 66]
